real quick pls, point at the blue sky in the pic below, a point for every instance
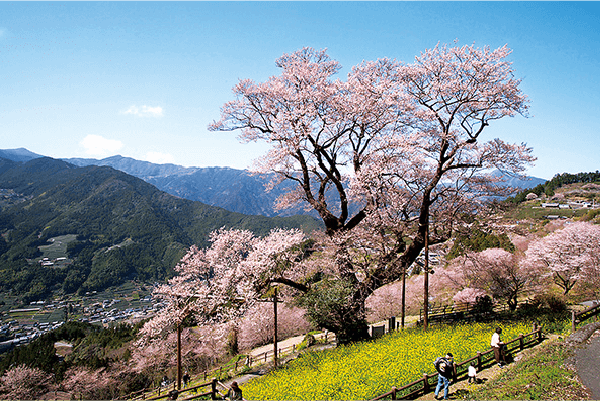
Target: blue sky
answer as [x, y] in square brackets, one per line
[144, 79]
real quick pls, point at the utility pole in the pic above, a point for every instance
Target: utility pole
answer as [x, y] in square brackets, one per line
[426, 281]
[274, 326]
[179, 356]
[403, 296]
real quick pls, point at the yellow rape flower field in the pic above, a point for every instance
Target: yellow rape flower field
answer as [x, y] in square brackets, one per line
[365, 370]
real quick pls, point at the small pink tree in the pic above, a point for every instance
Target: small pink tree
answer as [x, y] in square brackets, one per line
[569, 254]
[90, 384]
[24, 383]
[221, 283]
[493, 272]
[217, 286]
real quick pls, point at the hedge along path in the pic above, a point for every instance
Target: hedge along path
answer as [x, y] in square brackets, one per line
[368, 370]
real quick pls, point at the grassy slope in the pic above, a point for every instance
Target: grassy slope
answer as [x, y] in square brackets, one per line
[542, 375]
[366, 370]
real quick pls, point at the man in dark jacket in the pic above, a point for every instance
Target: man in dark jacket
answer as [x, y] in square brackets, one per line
[445, 369]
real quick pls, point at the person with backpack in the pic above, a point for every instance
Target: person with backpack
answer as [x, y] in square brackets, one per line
[445, 369]
[234, 393]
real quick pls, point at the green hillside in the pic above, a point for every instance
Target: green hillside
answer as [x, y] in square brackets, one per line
[111, 227]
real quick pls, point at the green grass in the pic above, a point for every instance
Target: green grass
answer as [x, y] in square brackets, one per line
[543, 375]
[58, 247]
[366, 370]
[539, 213]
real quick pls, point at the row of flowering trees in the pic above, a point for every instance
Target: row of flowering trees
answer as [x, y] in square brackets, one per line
[567, 258]
[391, 154]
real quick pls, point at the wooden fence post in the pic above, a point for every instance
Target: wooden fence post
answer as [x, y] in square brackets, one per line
[425, 383]
[479, 362]
[521, 346]
[394, 393]
[213, 389]
[205, 375]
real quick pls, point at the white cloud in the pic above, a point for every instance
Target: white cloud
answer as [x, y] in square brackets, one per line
[145, 111]
[96, 145]
[160, 158]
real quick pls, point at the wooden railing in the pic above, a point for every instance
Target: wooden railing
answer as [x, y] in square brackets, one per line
[459, 311]
[578, 317]
[484, 359]
[443, 311]
[191, 393]
[227, 370]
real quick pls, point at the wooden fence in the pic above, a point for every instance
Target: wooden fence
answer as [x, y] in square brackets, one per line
[484, 359]
[578, 317]
[228, 370]
[190, 393]
[458, 311]
[418, 387]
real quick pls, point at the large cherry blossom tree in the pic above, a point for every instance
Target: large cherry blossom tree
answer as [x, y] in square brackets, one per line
[395, 148]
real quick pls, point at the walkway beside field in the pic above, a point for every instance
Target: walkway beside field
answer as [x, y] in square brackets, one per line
[586, 361]
[461, 388]
[264, 368]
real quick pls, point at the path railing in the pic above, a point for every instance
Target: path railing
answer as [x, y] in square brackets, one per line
[459, 311]
[484, 359]
[227, 370]
[578, 317]
[190, 393]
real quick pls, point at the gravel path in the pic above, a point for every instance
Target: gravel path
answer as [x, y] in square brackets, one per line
[587, 356]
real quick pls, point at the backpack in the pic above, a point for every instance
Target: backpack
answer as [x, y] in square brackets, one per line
[441, 364]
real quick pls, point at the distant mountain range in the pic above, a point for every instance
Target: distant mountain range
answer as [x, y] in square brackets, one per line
[71, 228]
[231, 189]
[234, 190]
[87, 224]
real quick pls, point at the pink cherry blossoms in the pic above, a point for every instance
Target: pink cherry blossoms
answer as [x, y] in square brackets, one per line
[570, 254]
[221, 283]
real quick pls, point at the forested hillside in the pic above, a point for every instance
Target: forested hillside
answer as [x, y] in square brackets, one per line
[111, 226]
[549, 187]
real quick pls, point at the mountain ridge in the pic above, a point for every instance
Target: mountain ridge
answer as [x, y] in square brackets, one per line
[121, 226]
[235, 190]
